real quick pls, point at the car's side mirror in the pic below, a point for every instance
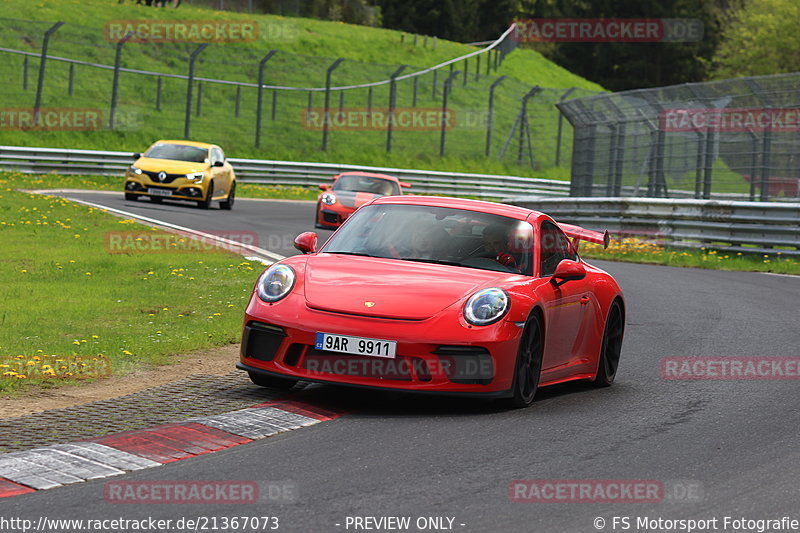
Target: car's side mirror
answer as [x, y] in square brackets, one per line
[568, 270]
[136, 155]
[306, 242]
[218, 164]
[324, 187]
[405, 184]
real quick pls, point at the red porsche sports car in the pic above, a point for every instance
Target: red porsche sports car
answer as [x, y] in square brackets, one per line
[351, 190]
[440, 295]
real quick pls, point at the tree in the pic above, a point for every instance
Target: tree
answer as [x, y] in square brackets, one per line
[620, 66]
[761, 37]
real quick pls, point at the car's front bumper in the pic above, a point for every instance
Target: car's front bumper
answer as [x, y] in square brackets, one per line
[179, 189]
[440, 354]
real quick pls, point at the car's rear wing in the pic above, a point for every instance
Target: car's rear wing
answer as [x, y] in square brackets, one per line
[577, 234]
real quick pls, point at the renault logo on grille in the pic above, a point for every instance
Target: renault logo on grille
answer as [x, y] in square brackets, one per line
[162, 176]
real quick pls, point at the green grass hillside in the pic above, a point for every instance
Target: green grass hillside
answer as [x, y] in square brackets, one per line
[305, 49]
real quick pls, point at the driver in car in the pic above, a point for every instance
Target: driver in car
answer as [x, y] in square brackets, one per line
[495, 245]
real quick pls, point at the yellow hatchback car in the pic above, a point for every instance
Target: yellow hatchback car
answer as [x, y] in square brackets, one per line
[182, 170]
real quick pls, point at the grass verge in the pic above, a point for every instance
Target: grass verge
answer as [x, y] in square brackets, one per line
[73, 309]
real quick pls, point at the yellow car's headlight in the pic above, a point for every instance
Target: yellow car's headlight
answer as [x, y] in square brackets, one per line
[197, 177]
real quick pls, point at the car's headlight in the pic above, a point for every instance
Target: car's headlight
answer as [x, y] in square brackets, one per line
[275, 283]
[135, 170]
[196, 176]
[328, 198]
[486, 306]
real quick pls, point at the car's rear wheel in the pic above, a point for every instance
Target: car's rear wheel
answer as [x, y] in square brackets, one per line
[611, 346]
[205, 204]
[228, 202]
[272, 382]
[529, 363]
[131, 197]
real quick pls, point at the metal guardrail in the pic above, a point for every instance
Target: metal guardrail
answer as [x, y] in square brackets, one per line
[730, 226]
[283, 173]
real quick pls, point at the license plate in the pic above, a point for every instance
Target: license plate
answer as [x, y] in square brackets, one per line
[159, 192]
[356, 345]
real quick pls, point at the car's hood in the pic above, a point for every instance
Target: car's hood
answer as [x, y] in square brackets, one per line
[387, 287]
[169, 166]
[354, 199]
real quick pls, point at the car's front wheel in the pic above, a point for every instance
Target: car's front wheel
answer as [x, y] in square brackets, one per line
[272, 382]
[131, 197]
[205, 204]
[529, 363]
[611, 346]
[228, 202]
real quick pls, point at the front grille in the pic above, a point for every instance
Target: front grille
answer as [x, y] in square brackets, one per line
[168, 179]
[293, 354]
[261, 341]
[322, 362]
[330, 218]
[466, 365]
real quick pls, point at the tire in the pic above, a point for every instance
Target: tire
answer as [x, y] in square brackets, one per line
[156, 199]
[528, 367]
[272, 382]
[227, 203]
[131, 197]
[611, 346]
[205, 204]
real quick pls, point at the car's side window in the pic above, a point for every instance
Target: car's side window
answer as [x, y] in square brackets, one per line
[216, 155]
[554, 247]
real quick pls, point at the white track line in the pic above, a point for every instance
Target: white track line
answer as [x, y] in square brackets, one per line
[253, 249]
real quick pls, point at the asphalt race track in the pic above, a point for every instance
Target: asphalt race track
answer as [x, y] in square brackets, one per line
[721, 448]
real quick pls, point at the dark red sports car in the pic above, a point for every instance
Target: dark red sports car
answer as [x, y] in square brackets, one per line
[349, 191]
[437, 295]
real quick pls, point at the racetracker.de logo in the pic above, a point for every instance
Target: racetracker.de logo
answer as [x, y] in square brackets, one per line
[50, 119]
[365, 119]
[585, 491]
[181, 492]
[608, 30]
[730, 120]
[188, 31]
[126, 242]
[731, 368]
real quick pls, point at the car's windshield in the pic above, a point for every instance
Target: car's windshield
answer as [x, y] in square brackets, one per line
[437, 235]
[178, 152]
[355, 183]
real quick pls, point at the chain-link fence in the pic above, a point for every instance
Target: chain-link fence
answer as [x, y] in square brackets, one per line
[143, 91]
[735, 139]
